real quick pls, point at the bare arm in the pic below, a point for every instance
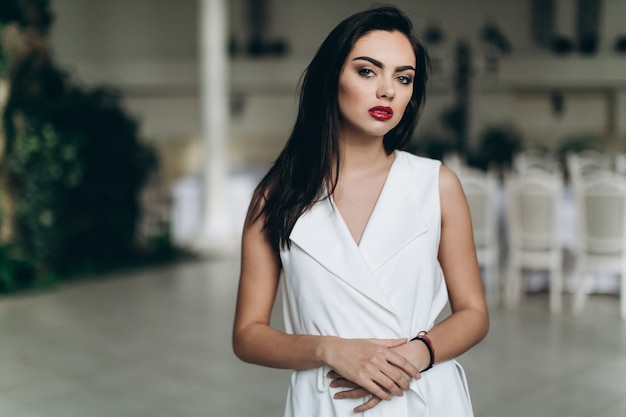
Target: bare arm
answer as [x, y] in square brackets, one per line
[253, 339]
[469, 322]
[370, 362]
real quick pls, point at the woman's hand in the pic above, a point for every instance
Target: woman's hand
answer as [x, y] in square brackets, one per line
[355, 391]
[372, 366]
[412, 351]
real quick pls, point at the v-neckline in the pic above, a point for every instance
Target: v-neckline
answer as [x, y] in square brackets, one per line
[372, 212]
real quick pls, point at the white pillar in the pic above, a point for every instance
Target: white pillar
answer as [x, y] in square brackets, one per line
[216, 233]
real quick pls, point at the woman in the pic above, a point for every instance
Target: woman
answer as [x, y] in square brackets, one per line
[372, 242]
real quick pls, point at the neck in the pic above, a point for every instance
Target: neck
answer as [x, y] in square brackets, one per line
[363, 154]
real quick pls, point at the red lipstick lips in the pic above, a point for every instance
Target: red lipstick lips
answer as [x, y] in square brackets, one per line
[381, 112]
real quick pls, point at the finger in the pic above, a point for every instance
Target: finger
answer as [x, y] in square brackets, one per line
[353, 393]
[400, 378]
[385, 376]
[333, 375]
[342, 383]
[377, 390]
[370, 386]
[389, 385]
[392, 379]
[373, 402]
[403, 364]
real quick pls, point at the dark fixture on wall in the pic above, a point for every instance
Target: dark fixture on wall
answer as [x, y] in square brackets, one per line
[620, 44]
[433, 34]
[562, 45]
[456, 119]
[495, 45]
[557, 102]
[258, 45]
[434, 38]
[543, 14]
[587, 25]
[491, 34]
[586, 38]
[543, 18]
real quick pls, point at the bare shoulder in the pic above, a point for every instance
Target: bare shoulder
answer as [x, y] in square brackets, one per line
[256, 207]
[449, 183]
[453, 203]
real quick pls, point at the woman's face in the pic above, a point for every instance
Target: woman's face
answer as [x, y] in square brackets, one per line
[376, 83]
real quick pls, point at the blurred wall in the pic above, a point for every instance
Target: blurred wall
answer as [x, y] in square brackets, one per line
[148, 49]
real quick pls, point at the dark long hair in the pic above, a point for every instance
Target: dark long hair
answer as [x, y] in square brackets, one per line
[309, 163]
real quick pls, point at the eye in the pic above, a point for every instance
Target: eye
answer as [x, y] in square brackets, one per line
[404, 79]
[366, 72]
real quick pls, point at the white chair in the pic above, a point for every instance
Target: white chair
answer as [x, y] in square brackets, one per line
[535, 159]
[481, 192]
[581, 165]
[533, 213]
[602, 235]
[588, 158]
[584, 163]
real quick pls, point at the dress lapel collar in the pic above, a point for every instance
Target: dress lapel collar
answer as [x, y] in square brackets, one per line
[323, 235]
[395, 222]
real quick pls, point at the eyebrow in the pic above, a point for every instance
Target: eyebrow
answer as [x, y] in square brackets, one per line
[379, 64]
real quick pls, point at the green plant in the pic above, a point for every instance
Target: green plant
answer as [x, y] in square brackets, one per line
[77, 172]
[71, 172]
[579, 142]
[74, 167]
[4, 60]
[45, 169]
[16, 273]
[496, 148]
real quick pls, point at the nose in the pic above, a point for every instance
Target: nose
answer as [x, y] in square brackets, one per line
[386, 90]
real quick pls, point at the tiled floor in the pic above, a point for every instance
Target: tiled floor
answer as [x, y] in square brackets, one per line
[157, 343]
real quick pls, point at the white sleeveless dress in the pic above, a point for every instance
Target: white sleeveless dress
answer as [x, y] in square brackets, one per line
[389, 286]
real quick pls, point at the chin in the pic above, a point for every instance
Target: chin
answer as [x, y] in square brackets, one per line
[374, 130]
[381, 131]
